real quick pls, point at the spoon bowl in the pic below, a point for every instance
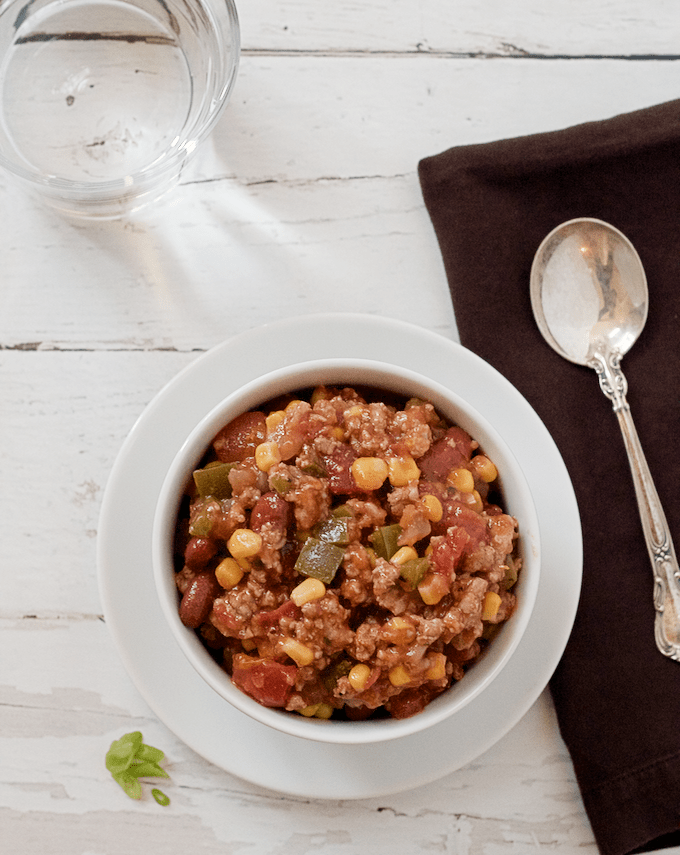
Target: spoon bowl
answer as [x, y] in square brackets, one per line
[588, 290]
[589, 297]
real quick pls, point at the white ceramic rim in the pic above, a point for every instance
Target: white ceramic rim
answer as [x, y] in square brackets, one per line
[517, 495]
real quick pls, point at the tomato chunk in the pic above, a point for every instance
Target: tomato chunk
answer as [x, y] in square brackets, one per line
[452, 451]
[447, 551]
[340, 478]
[475, 525]
[272, 618]
[239, 439]
[266, 681]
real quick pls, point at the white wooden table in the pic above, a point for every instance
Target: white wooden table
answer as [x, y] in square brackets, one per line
[305, 200]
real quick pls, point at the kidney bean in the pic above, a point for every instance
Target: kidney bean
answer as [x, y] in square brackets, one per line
[198, 551]
[270, 508]
[197, 602]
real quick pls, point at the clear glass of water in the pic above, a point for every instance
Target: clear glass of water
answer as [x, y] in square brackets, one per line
[102, 102]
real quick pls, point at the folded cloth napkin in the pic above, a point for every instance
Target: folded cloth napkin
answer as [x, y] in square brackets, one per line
[617, 698]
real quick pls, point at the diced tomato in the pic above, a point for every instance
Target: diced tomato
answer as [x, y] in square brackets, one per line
[265, 680]
[272, 618]
[340, 478]
[225, 620]
[452, 451]
[448, 550]
[464, 517]
[239, 439]
[296, 432]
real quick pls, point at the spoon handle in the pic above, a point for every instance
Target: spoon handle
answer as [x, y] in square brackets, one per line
[654, 525]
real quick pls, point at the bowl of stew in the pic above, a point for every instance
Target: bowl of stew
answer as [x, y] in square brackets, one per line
[346, 551]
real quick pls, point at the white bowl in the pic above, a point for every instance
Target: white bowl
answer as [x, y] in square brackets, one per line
[517, 501]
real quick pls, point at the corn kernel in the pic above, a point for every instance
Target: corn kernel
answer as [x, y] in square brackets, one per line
[484, 468]
[477, 504]
[434, 507]
[298, 652]
[406, 553]
[399, 676]
[248, 645]
[433, 588]
[492, 603]
[292, 405]
[244, 543]
[307, 591]
[267, 454]
[462, 480]
[324, 711]
[228, 573]
[310, 711]
[274, 420]
[338, 433]
[358, 677]
[437, 670]
[369, 472]
[402, 470]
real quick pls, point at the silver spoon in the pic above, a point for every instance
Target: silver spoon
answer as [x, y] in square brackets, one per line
[589, 297]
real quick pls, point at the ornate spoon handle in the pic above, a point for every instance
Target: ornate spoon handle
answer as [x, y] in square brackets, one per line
[654, 525]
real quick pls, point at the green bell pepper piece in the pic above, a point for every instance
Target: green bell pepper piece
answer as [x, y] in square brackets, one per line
[413, 571]
[332, 530]
[319, 559]
[214, 480]
[385, 540]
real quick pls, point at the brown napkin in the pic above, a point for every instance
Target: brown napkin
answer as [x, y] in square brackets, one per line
[617, 698]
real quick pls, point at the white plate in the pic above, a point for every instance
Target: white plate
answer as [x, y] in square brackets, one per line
[186, 704]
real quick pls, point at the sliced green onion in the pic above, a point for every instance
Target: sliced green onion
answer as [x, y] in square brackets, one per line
[160, 797]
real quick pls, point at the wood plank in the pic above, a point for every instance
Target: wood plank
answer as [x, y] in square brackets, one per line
[278, 217]
[476, 27]
[54, 734]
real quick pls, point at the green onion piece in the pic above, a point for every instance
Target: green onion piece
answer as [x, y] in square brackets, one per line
[148, 752]
[413, 571]
[122, 752]
[147, 770]
[214, 480]
[129, 783]
[385, 540]
[160, 797]
[129, 759]
[319, 559]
